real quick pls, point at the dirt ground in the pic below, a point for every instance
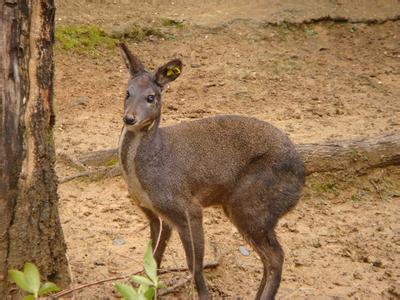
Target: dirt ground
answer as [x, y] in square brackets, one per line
[319, 81]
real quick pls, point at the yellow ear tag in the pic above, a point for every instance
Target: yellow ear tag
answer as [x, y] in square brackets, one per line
[173, 71]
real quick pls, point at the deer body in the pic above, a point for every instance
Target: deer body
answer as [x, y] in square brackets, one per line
[246, 166]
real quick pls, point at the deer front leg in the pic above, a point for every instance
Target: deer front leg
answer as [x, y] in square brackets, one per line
[190, 229]
[155, 234]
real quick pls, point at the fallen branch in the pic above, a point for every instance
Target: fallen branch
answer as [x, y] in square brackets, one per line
[107, 172]
[72, 161]
[357, 154]
[98, 158]
[176, 286]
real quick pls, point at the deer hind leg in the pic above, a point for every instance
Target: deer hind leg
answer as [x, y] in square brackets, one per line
[254, 208]
[155, 234]
[264, 242]
[190, 229]
[272, 256]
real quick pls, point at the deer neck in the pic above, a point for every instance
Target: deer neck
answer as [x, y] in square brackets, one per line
[131, 140]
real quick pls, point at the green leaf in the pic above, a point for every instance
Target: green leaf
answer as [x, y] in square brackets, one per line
[141, 297]
[32, 277]
[142, 289]
[20, 280]
[127, 292]
[149, 294]
[142, 280]
[29, 297]
[48, 288]
[150, 264]
[161, 285]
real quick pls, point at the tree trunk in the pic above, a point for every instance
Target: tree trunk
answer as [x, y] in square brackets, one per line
[30, 228]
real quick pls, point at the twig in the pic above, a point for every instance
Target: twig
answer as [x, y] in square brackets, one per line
[377, 188]
[210, 265]
[72, 177]
[142, 228]
[66, 292]
[175, 286]
[108, 171]
[73, 161]
[98, 158]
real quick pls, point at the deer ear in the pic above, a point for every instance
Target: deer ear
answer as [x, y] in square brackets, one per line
[133, 64]
[168, 72]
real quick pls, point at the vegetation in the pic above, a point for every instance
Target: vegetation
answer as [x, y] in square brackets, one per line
[137, 34]
[172, 23]
[309, 31]
[148, 284]
[83, 37]
[88, 38]
[28, 280]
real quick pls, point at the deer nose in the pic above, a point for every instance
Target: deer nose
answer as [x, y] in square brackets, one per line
[129, 119]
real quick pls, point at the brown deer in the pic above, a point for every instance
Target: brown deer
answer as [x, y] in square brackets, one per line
[248, 167]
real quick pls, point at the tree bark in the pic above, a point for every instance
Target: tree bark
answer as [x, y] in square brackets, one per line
[30, 228]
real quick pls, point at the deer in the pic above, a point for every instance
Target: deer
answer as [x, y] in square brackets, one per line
[246, 166]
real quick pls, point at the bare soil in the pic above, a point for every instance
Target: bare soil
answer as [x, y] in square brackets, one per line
[317, 81]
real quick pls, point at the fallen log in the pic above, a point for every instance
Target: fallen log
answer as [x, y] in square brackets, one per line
[99, 158]
[353, 155]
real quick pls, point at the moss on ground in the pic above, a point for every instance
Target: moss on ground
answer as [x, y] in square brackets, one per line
[83, 37]
[90, 38]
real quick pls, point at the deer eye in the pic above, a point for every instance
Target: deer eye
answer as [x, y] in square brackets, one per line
[127, 94]
[150, 98]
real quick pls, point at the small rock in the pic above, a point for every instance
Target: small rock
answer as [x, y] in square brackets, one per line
[119, 242]
[244, 251]
[316, 244]
[357, 275]
[376, 262]
[81, 101]
[87, 213]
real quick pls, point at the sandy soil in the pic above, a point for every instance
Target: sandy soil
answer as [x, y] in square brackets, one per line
[317, 82]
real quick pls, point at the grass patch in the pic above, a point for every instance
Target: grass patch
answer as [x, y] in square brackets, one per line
[309, 32]
[111, 162]
[172, 23]
[137, 34]
[283, 31]
[326, 187]
[90, 38]
[83, 37]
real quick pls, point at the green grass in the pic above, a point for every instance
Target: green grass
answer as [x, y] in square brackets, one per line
[309, 32]
[90, 38]
[137, 33]
[83, 37]
[325, 187]
[172, 23]
[111, 162]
